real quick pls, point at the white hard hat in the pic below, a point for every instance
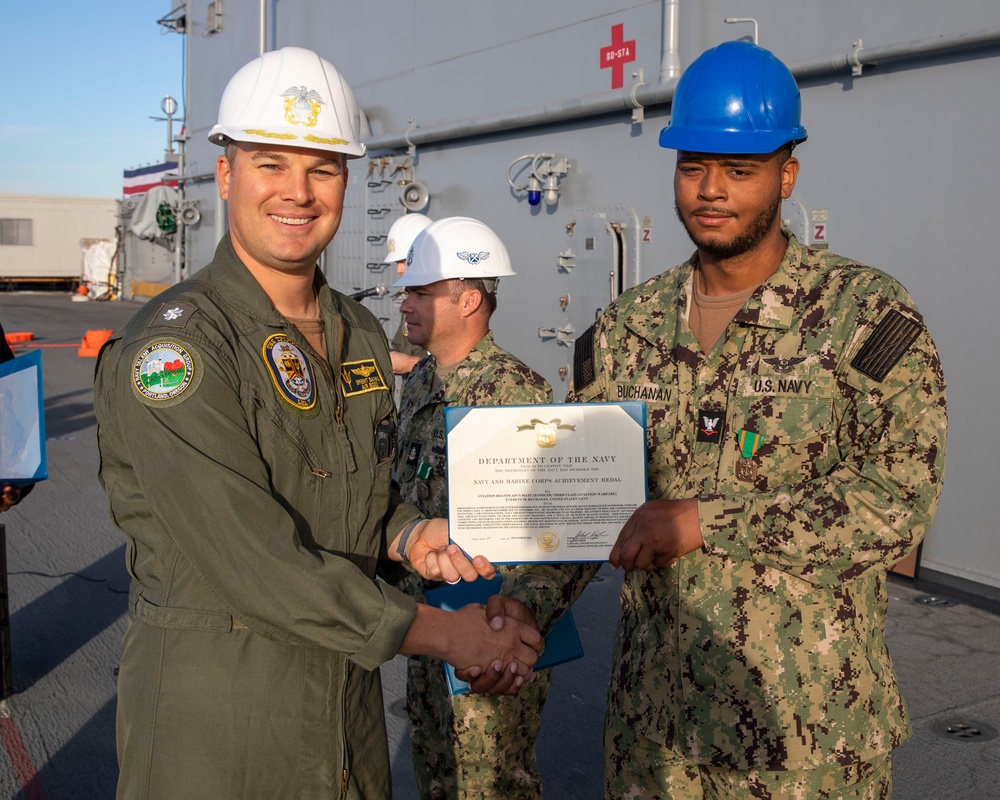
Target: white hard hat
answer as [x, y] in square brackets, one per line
[401, 235]
[293, 97]
[455, 247]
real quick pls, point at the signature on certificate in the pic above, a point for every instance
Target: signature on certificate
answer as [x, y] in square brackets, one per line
[586, 538]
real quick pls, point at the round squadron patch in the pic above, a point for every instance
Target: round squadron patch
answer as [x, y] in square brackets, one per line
[290, 370]
[163, 372]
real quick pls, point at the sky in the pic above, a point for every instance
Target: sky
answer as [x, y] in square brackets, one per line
[79, 83]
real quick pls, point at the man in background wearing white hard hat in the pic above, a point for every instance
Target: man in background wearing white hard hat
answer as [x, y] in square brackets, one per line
[466, 747]
[402, 351]
[796, 429]
[247, 437]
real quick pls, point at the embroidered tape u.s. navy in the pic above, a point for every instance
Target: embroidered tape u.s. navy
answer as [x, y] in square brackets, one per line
[163, 372]
[290, 371]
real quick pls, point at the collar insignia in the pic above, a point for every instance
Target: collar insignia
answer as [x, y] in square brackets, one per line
[710, 426]
[173, 315]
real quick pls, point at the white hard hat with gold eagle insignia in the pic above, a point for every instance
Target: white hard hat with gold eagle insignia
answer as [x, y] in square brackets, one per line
[293, 97]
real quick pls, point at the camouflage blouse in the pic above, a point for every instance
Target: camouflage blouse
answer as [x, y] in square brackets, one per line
[489, 375]
[813, 434]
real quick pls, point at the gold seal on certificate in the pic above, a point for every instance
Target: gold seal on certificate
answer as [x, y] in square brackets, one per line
[548, 541]
[545, 482]
[546, 436]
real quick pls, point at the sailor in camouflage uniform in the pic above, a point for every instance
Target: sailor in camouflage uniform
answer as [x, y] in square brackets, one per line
[796, 436]
[402, 232]
[466, 746]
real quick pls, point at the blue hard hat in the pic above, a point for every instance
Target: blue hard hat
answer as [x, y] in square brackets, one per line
[734, 98]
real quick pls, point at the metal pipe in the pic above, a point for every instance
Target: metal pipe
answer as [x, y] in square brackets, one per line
[858, 56]
[263, 27]
[274, 24]
[670, 56]
[591, 105]
[586, 106]
[201, 177]
[182, 165]
[663, 91]
[181, 224]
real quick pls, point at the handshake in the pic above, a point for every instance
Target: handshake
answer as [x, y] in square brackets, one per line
[492, 647]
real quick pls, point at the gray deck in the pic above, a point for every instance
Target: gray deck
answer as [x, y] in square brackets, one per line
[67, 592]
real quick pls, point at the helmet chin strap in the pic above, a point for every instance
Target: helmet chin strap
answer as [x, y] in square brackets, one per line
[489, 284]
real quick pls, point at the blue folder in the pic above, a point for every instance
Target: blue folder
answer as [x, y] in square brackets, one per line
[22, 421]
[561, 645]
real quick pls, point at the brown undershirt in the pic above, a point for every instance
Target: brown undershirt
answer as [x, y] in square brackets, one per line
[314, 331]
[710, 315]
[440, 373]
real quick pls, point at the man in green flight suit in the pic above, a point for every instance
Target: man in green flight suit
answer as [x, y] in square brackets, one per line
[796, 436]
[247, 437]
[468, 746]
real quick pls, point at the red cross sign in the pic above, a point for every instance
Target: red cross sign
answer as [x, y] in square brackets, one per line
[617, 55]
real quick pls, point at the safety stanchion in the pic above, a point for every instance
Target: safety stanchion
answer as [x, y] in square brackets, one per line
[19, 337]
[92, 341]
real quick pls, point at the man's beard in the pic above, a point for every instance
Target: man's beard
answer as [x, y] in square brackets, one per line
[744, 242]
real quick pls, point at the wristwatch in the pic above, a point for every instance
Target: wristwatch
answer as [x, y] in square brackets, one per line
[404, 537]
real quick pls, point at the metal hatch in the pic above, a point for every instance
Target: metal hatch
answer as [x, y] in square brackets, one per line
[599, 260]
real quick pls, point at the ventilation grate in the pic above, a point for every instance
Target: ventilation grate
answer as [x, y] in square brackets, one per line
[967, 730]
[933, 600]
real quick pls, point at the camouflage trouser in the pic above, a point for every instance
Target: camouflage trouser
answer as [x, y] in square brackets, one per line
[473, 746]
[637, 768]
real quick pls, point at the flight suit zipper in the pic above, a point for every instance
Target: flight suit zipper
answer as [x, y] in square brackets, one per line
[343, 730]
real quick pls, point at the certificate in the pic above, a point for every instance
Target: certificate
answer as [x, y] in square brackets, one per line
[544, 482]
[22, 421]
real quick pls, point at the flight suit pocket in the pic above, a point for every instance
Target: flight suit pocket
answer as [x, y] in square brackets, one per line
[278, 435]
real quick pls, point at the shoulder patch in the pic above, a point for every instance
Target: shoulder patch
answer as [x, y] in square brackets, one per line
[290, 370]
[164, 373]
[359, 377]
[584, 372]
[173, 315]
[885, 345]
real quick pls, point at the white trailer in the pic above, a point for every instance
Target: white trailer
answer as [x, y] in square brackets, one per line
[43, 238]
